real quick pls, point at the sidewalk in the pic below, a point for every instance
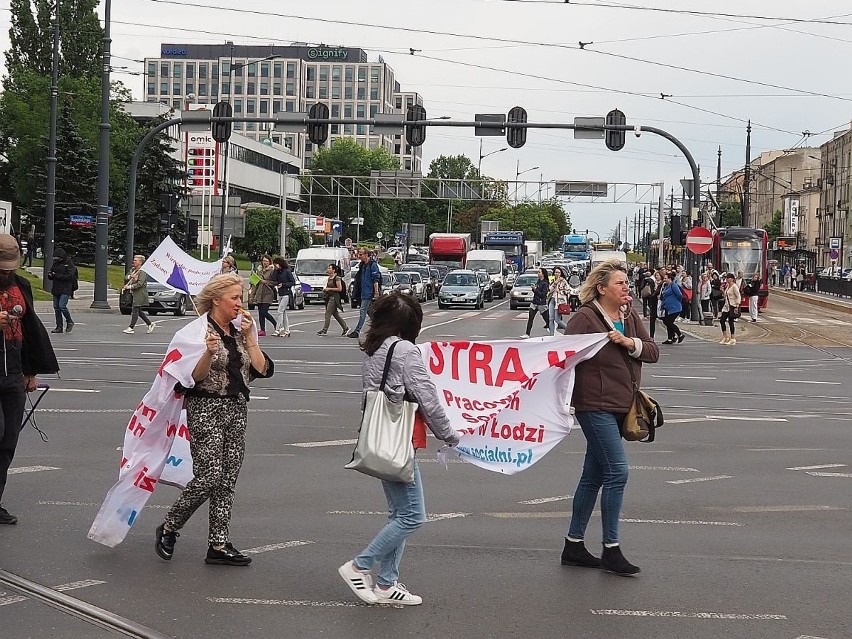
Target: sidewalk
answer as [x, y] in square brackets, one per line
[823, 300]
[83, 297]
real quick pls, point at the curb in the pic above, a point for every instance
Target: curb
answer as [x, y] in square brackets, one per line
[807, 299]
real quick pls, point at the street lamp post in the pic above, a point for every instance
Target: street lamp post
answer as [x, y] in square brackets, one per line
[519, 173]
[476, 229]
[50, 193]
[482, 157]
[102, 218]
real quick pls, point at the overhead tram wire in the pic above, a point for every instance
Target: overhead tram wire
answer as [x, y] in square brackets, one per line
[267, 14]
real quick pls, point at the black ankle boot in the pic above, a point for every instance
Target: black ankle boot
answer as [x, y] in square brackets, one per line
[575, 554]
[613, 561]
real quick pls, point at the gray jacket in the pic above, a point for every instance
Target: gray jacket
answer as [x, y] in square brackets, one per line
[408, 374]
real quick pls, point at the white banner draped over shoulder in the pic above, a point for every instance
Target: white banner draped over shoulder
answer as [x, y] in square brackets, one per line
[509, 397]
[156, 442]
[162, 262]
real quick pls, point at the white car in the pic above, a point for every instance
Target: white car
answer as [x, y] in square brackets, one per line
[411, 283]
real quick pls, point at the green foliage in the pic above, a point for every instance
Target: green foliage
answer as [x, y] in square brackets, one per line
[776, 226]
[263, 226]
[453, 167]
[547, 221]
[730, 214]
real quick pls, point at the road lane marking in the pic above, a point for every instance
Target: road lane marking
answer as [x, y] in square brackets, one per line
[677, 522]
[74, 585]
[671, 468]
[698, 479]
[784, 450]
[690, 615]
[332, 442]
[429, 517]
[847, 475]
[283, 602]
[92, 503]
[818, 467]
[806, 381]
[545, 500]
[281, 546]
[780, 509]
[73, 390]
[130, 410]
[680, 377]
[30, 469]
[743, 418]
[566, 514]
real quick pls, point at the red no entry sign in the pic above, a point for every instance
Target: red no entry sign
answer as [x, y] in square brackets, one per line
[699, 240]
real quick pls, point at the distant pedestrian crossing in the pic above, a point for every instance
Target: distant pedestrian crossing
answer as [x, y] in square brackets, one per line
[806, 320]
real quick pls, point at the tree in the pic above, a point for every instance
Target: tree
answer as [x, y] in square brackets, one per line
[776, 226]
[263, 227]
[730, 214]
[76, 191]
[453, 167]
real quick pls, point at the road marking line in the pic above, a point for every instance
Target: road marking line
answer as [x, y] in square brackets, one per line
[440, 516]
[74, 390]
[781, 509]
[678, 522]
[836, 321]
[282, 602]
[672, 468]
[130, 410]
[30, 469]
[698, 479]
[84, 503]
[74, 585]
[429, 517]
[545, 500]
[742, 418]
[818, 467]
[688, 420]
[783, 450]
[830, 474]
[540, 515]
[805, 381]
[679, 377]
[333, 442]
[281, 546]
[689, 615]
[808, 637]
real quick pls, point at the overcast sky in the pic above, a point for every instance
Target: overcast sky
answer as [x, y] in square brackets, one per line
[801, 59]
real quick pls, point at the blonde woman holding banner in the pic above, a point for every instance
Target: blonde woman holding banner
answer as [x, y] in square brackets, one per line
[603, 394]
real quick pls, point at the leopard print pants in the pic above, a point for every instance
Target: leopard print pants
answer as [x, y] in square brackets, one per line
[217, 437]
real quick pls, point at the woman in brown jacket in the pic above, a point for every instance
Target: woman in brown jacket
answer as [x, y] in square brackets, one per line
[603, 393]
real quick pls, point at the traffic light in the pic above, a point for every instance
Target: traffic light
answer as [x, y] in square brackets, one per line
[516, 137]
[615, 139]
[318, 133]
[222, 130]
[674, 231]
[415, 135]
[192, 234]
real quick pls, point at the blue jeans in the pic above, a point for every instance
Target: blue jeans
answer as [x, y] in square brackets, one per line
[406, 513]
[60, 309]
[556, 320]
[362, 314]
[605, 466]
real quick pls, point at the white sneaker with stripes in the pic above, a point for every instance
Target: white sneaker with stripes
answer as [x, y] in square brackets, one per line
[397, 594]
[360, 582]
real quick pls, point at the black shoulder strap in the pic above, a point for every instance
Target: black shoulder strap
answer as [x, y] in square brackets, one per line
[387, 365]
[624, 354]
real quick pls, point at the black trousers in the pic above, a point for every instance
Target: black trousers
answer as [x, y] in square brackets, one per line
[12, 398]
[545, 315]
[672, 329]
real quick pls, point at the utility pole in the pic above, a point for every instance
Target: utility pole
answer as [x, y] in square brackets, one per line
[719, 187]
[747, 177]
[102, 219]
[50, 192]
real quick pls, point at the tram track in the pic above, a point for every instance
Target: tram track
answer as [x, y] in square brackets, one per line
[802, 337]
[77, 608]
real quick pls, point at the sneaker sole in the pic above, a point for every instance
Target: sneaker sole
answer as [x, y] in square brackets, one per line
[226, 562]
[580, 564]
[381, 601]
[367, 596]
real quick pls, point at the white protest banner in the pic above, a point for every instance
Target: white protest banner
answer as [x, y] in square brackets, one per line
[156, 442]
[509, 397]
[162, 262]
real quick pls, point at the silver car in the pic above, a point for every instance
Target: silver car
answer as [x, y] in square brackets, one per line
[522, 293]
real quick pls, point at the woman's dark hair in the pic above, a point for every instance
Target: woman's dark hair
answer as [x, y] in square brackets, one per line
[337, 270]
[394, 315]
[266, 256]
[543, 271]
[280, 261]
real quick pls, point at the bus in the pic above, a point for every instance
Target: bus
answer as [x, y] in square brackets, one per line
[738, 248]
[511, 243]
[575, 247]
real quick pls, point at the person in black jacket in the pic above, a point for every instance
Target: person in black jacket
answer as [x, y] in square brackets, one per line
[539, 301]
[62, 273]
[27, 352]
[284, 283]
[752, 292]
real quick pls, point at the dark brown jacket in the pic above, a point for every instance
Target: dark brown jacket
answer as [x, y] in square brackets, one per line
[603, 382]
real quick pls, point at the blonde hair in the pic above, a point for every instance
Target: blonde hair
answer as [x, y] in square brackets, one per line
[215, 289]
[229, 260]
[599, 276]
[141, 258]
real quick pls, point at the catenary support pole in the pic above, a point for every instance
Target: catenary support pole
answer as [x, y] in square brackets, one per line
[102, 219]
[50, 192]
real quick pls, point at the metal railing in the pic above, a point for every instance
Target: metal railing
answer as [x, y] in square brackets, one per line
[834, 286]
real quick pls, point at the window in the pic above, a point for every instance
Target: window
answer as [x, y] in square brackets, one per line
[277, 69]
[152, 69]
[226, 68]
[347, 129]
[239, 68]
[238, 126]
[164, 87]
[362, 130]
[202, 88]
[214, 90]
[374, 93]
[264, 88]
[360, 112]
[202, 70]
[335, 73]
[251, 87]
[347, 93]
[323, 73]
[335, 92]
[335, 110]
[250, 106]
[276, 88]
[177, 70]
[252, 70]
[407, 164]
[226, 88]
[214, 73]
[176, 104]
[362, 74]
[374, 75]
[362, 93]
[399, 102]
[396, 149]
[276, 106]
[309, 91]
[323, 92]
[238, 86]
[190, 88]
[291, 88]
[349, 74]
[264, 69]
[164, 69]
[291, 70]
[152, 88]
[190, 70]
[374, 108]
[238, 106]
[264, 107]
[250, 126]
[290, 106]
[312, 74]
[347, 110]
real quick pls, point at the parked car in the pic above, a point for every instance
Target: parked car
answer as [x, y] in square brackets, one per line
[428, 278]
[161, 299]
[461, 287]
[522, 293]
[411, 283]
[298, 297]
[486, 285]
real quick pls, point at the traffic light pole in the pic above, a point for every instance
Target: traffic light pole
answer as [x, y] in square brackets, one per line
[318, 129]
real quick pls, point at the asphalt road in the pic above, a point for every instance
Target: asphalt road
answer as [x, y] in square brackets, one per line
[738, 514]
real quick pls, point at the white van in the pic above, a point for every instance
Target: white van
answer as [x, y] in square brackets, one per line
[598, 257]
[310, 268]
[492, 262]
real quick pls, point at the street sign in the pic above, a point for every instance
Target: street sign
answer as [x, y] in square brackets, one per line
[586, 134]
[834, 253]
[699, 240]
[348, 242]
[565, 188]
[834, 242]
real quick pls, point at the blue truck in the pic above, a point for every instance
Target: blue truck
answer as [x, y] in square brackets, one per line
[511, 243]
[575, 247]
